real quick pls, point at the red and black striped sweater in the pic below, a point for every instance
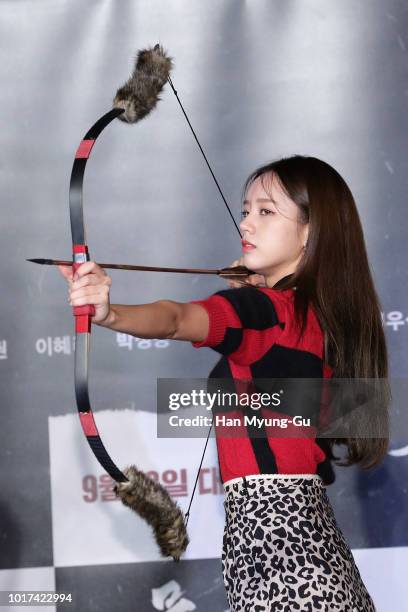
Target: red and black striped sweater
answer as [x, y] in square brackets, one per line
[254, 330]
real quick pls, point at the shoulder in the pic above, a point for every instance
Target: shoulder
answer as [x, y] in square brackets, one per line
[235, 314]
[258, 307]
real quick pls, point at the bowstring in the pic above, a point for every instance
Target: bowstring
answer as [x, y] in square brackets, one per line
[204, 155]
[187, 514]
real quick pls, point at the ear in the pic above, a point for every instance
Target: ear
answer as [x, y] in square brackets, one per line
[305, 234]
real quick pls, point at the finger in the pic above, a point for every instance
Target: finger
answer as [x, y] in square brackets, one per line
[86, 268]
[102, 290]
[234, 284]
[66, 271]
[88, 295]
[237, 262]
[254, 279]
[85, 300]
[92, 279]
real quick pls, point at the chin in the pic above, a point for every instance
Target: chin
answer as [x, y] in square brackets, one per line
[250, 261]
[255, 266]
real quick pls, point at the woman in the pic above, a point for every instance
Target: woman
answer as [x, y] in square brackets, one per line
[313, 313]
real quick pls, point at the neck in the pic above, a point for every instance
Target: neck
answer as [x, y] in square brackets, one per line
[275, 279]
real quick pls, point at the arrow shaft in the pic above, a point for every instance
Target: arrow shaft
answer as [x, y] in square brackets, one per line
[237, 271]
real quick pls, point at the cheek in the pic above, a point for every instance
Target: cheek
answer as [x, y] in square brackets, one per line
[290, 235]
[282, 233]
[282, 243]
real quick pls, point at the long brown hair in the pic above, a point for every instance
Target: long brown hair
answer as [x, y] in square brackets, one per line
[334, 276]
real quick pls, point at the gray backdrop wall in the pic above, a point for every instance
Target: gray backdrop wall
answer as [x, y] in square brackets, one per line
[260, 79]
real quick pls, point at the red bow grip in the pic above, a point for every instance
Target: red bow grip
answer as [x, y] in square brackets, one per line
[84, 313]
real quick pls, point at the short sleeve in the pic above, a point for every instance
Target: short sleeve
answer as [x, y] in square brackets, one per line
[237, 316]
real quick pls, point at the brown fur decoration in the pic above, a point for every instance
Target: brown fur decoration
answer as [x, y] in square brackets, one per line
[153, 503]
[140, 94]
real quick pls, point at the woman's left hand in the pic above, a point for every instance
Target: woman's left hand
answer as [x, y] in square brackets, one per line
[257, 280]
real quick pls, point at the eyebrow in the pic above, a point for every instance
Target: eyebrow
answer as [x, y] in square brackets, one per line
[261, 201]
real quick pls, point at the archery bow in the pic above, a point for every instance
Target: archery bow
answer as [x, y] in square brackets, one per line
[148, 498]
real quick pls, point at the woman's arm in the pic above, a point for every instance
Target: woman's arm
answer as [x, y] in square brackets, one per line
[162, 319]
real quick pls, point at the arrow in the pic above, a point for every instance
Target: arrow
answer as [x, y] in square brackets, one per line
[237, 271]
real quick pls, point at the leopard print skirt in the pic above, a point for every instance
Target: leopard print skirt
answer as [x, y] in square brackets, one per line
[283, 550]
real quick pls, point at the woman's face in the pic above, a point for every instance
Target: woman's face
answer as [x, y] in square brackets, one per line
[270, 227]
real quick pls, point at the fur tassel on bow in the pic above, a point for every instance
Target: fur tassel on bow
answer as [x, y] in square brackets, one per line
[153, 503]
[140, 94]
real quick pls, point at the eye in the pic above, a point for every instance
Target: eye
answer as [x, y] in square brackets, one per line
[264, 212]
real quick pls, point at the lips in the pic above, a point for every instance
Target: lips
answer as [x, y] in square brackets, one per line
[247, 246]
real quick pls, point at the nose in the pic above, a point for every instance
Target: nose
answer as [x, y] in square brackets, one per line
[246, 225]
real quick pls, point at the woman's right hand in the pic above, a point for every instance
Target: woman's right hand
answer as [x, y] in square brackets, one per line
[257, 280]
[89, 285]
